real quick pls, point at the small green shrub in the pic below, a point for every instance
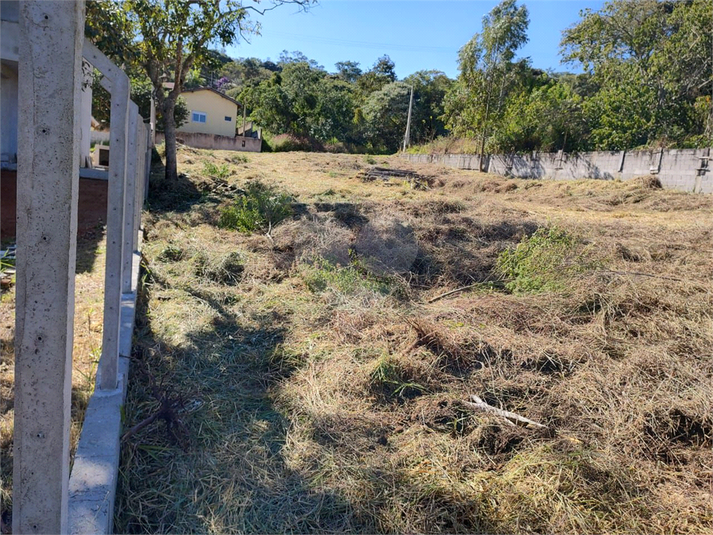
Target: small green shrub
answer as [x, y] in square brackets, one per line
[391, 380]
[542, 262]
[239, 158]
[259, 207]
[216, 171]
[223, 269]
[6, 260]
[323, 275]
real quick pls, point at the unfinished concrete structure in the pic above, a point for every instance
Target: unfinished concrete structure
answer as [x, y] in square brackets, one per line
[46, 499]
[92, 182]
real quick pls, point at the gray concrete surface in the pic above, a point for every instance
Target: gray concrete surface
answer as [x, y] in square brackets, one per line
[47, 197]
[215, 142]
[92, 485]
[681, 169]
[133, 167]
[119, 118]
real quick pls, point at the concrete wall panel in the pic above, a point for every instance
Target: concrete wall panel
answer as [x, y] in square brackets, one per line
[681, 169]
[214, 142]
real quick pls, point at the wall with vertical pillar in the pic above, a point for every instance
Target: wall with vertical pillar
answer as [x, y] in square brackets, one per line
[681, 169]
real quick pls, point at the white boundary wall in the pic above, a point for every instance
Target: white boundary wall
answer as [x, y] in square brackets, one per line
[681, 169]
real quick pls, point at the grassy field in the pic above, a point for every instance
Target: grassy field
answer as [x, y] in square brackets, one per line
[314, 374]
[89, 303]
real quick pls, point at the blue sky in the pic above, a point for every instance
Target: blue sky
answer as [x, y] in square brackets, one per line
[416, 34]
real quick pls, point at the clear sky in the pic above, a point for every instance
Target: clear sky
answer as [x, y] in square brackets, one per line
[416, 34]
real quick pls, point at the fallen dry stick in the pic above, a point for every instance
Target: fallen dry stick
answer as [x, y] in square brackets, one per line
[480, 405]
[461, 289]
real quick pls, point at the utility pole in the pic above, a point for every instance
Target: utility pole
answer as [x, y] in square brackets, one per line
[407, 140]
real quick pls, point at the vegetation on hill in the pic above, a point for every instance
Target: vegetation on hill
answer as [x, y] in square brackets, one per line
[647, 81]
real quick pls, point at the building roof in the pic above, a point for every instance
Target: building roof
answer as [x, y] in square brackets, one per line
[226, 97]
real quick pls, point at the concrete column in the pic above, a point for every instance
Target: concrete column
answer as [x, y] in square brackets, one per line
[85, 153]
[152, 121]
[132, 169]
[149, 155]
[47, 192]
[144, 142]
[119, 123]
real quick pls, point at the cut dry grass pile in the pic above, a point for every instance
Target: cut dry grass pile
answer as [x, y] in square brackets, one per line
[322, 386]
[88, 312]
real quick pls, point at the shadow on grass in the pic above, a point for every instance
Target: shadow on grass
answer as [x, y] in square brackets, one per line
[88, 249]
[228, 474]
[169, 196]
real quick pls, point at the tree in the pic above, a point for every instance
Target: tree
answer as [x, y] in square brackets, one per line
[304, 101]
[652, 62]
[245, 72]
[385, 113]
[348, 71]
[487, 70]
[297, 57]
[382, 73]
[547, 118]
[270, 105]
[430, 88]
[333, 117]
[169, 39]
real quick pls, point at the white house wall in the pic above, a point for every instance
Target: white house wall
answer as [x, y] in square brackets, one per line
[216, 109]
[8, 113]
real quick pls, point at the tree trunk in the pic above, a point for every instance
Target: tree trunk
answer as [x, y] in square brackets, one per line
[169, 129]
[485, 128]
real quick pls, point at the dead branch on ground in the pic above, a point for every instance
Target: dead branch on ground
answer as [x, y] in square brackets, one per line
[478, 404]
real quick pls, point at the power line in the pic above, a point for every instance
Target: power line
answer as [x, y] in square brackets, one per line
[365, 44]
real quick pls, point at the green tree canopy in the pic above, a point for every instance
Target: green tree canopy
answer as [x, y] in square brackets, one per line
[385, 113]
[487, 72]
[652, 63]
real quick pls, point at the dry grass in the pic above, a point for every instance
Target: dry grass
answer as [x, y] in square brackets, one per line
[321, 391]
[89, 303]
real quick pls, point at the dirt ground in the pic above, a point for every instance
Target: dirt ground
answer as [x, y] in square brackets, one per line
[316, 375]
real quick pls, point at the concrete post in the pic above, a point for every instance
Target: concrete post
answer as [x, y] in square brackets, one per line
[144, 140]
[149, 155]
[119, 123]
[85, 153]
[47, 192]
[132, 169]
[152, 121]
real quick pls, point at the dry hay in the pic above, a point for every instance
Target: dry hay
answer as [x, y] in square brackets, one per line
[344, 411]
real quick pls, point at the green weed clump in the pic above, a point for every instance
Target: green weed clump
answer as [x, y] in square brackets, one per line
[323, 275]
[543, 262]
[221, 172]
[259, 207]
[6, 261]
[390, 379]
